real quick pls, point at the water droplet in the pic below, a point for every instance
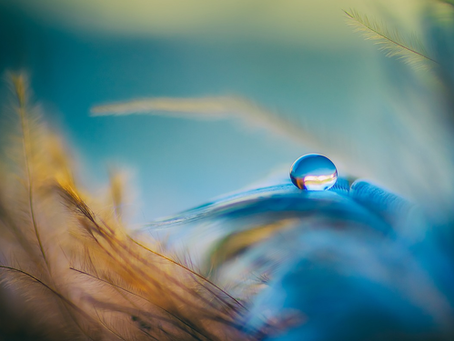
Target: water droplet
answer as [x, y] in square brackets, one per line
[313, 172]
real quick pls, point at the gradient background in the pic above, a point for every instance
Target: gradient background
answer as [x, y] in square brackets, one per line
[297, 58]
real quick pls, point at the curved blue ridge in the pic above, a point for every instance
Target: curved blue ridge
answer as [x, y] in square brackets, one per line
[334, 203]
[199, 212]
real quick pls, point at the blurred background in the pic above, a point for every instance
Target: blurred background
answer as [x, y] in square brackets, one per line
[298, 59]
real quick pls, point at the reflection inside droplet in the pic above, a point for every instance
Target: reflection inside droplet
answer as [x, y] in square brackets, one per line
[313, 172]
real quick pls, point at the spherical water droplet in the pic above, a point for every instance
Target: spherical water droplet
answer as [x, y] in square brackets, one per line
[313, 172]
